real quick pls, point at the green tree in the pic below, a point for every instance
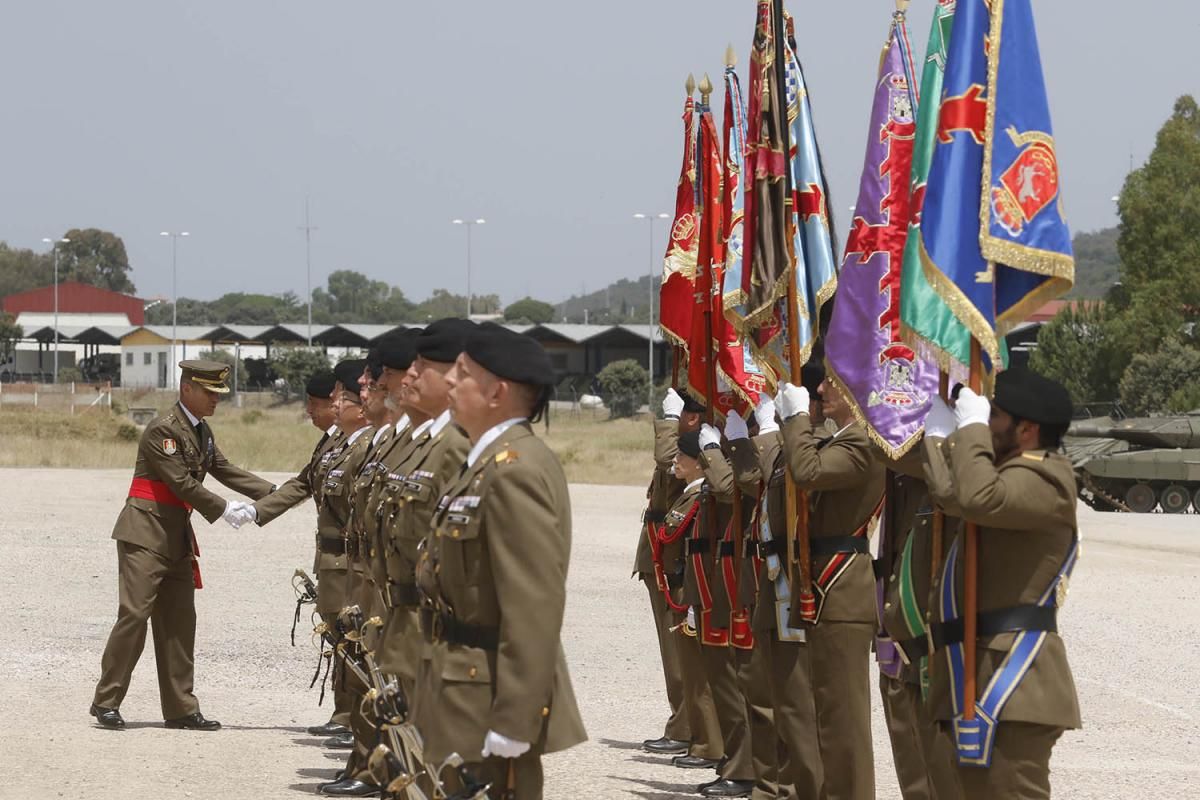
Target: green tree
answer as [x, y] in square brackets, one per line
[22, 269]
[191, 312]
[295, 365]
[1074, 349]
[529, 311]
[1162, 381]
[10, 334]
[441, 304]
[97, 258]
[623, 387]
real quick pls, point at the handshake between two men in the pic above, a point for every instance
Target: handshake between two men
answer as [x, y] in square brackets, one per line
[238, 513]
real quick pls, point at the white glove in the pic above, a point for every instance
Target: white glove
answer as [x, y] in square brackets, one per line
[735, 427]
[940, 420]
[691, 617]
[764, 413]
[970, 409]
[709, 436]
[672, 405]
[792, 400]
[500, 746]
[234, 510]
[249, 514]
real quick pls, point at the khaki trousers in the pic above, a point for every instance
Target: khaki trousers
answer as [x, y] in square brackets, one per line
[754, 680]
[720, 666]
[154, 589]
[1020, 767]
[790, 677]
[362, 593]
[332, 588]
[697, 696]
[840, 653]
[677, 724]
[923, 756]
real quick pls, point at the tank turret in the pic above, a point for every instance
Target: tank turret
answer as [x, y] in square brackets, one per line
[1168, 432]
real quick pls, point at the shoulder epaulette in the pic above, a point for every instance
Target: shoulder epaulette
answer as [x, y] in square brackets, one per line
[506, 457]
[1039, 457]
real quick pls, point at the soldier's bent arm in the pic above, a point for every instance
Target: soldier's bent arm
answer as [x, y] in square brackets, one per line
[938, 476]
[718, 473]
[747, 470]
[529, 553]
[238, 479]
[841, 464]
[171, 469]
[666, 442]
[293, 491]
[1014, 498]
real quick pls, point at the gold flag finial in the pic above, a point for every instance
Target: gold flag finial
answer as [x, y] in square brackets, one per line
[690, 85]
[730, 57]
[902, 5]
[706, 88]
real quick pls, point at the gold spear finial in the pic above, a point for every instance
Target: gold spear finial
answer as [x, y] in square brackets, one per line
[730, 57]
[706, 88]
[690, 85]
[902, 5]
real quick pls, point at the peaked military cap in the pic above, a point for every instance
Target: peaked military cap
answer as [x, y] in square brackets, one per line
[1028, 395]
[510, 355]
[209, 374]
[321, 384]
[397, 350]
[348, 372]
[689, 444]
[444, 339]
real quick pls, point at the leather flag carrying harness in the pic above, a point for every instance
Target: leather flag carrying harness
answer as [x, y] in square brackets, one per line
[159, 492]
[843, 549]
[974, 738]
[696, 547]
[658, 538]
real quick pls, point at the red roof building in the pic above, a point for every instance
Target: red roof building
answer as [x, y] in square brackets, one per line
[76, 298]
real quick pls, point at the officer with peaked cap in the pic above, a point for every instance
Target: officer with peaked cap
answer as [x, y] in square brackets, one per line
[157, 556]
[999, 465]
[493, 577]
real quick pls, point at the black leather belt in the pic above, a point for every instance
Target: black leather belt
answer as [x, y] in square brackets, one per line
[657, 517]
[447, 628]
[775, 547]
[674, 581]
[693, 546]
[1001, 620]
[725, 549]
[831, 545]
[914, 649]
[333, 547]
[403, 595]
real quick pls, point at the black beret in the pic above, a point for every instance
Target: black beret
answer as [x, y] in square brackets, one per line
[689, 443]
[396, 350]
[321, 384]
[510, 355]
[1027, 395]
[691, 404]
[444, 339]
[811, 375]
[374, 364]
[348, 372]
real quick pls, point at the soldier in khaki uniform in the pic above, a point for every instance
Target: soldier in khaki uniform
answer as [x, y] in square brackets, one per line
[157, 555]
[681, 414]
[783, 645]
[844, 484]
[1002, 470]
[496, 688]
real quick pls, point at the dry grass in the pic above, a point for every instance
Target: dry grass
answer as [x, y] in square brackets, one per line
[592, 449]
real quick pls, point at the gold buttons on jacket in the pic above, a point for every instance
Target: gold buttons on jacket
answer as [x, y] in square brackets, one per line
[472, 672]
[545, 711]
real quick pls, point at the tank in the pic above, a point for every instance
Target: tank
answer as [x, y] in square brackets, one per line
[1138, 464]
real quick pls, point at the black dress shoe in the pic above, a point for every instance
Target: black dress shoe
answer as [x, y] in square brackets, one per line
[694, 762]
[350, 787]
[107, 717]
[330, 728]
[666, 746]
[343, 741]
[193, 722]
[727, 788]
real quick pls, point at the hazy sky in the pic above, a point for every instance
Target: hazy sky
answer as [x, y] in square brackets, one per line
[554, 121]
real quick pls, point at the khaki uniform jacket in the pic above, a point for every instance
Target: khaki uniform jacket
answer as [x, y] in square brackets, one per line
[386, 457]
[1025, 509]
[715, 495]
[364, 522]
[762, 461]
[498, 559]
[723, 477]
[663, 490]
[673, 553]
[334, 493]
[297, 489]
[171, 451]
[844, 484]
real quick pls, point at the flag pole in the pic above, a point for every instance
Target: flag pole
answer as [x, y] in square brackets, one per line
[971, 572]
[939, 516]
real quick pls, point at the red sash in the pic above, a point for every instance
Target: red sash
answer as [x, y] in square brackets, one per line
[159, 492]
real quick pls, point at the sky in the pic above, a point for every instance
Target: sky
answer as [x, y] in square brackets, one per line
[555, 122]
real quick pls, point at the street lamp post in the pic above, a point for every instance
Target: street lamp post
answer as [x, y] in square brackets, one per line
[470, 223]
[54, 243]
[650, 218]
[174, 292]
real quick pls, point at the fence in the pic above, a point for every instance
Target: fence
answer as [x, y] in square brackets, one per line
[70, 397]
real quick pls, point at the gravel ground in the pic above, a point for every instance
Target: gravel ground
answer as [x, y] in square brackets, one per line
[1129, 627]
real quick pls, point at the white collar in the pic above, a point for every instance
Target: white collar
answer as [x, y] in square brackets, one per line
[402, 423]
[424, 426]
[379, 434]
[332, 429]
[492, 434]
[842, 429]
[191, 417]
[357, 434]
[693, 484]
[440, 423]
